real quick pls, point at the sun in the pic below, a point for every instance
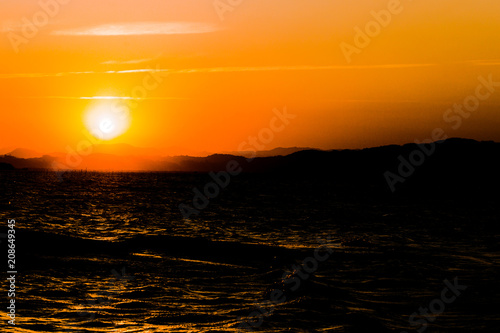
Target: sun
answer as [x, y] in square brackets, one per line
[107, 120]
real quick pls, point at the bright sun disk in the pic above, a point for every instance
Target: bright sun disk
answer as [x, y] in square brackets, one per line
[106, 120]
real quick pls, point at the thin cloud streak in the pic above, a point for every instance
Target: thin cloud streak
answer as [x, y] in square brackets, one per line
[166, 98]
[96, 97]
[139, 29]
[214, 70]
[491, 62]
[127, 62]
[295, 68]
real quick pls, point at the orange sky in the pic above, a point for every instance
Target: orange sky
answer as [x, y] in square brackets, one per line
[218, 80]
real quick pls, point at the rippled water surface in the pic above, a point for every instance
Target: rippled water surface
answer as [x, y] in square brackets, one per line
[111, 252]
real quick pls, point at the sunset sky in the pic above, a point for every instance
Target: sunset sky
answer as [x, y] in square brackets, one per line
[220, 73]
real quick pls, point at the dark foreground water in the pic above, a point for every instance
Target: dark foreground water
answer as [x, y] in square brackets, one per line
[103, 252]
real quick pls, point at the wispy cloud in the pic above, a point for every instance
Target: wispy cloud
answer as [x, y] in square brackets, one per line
[126, 62]
[486, 62]
[491, 62]
[294, 68]
[41, 75]
[103, 98]
[241, 69]
[215, 70]
[140, 28]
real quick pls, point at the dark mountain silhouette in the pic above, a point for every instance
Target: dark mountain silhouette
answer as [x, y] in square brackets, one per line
[6, 166]
[44, 162]
[453, 164]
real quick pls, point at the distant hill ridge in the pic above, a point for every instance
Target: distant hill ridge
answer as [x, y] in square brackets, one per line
[452, 165]
[461, 151]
